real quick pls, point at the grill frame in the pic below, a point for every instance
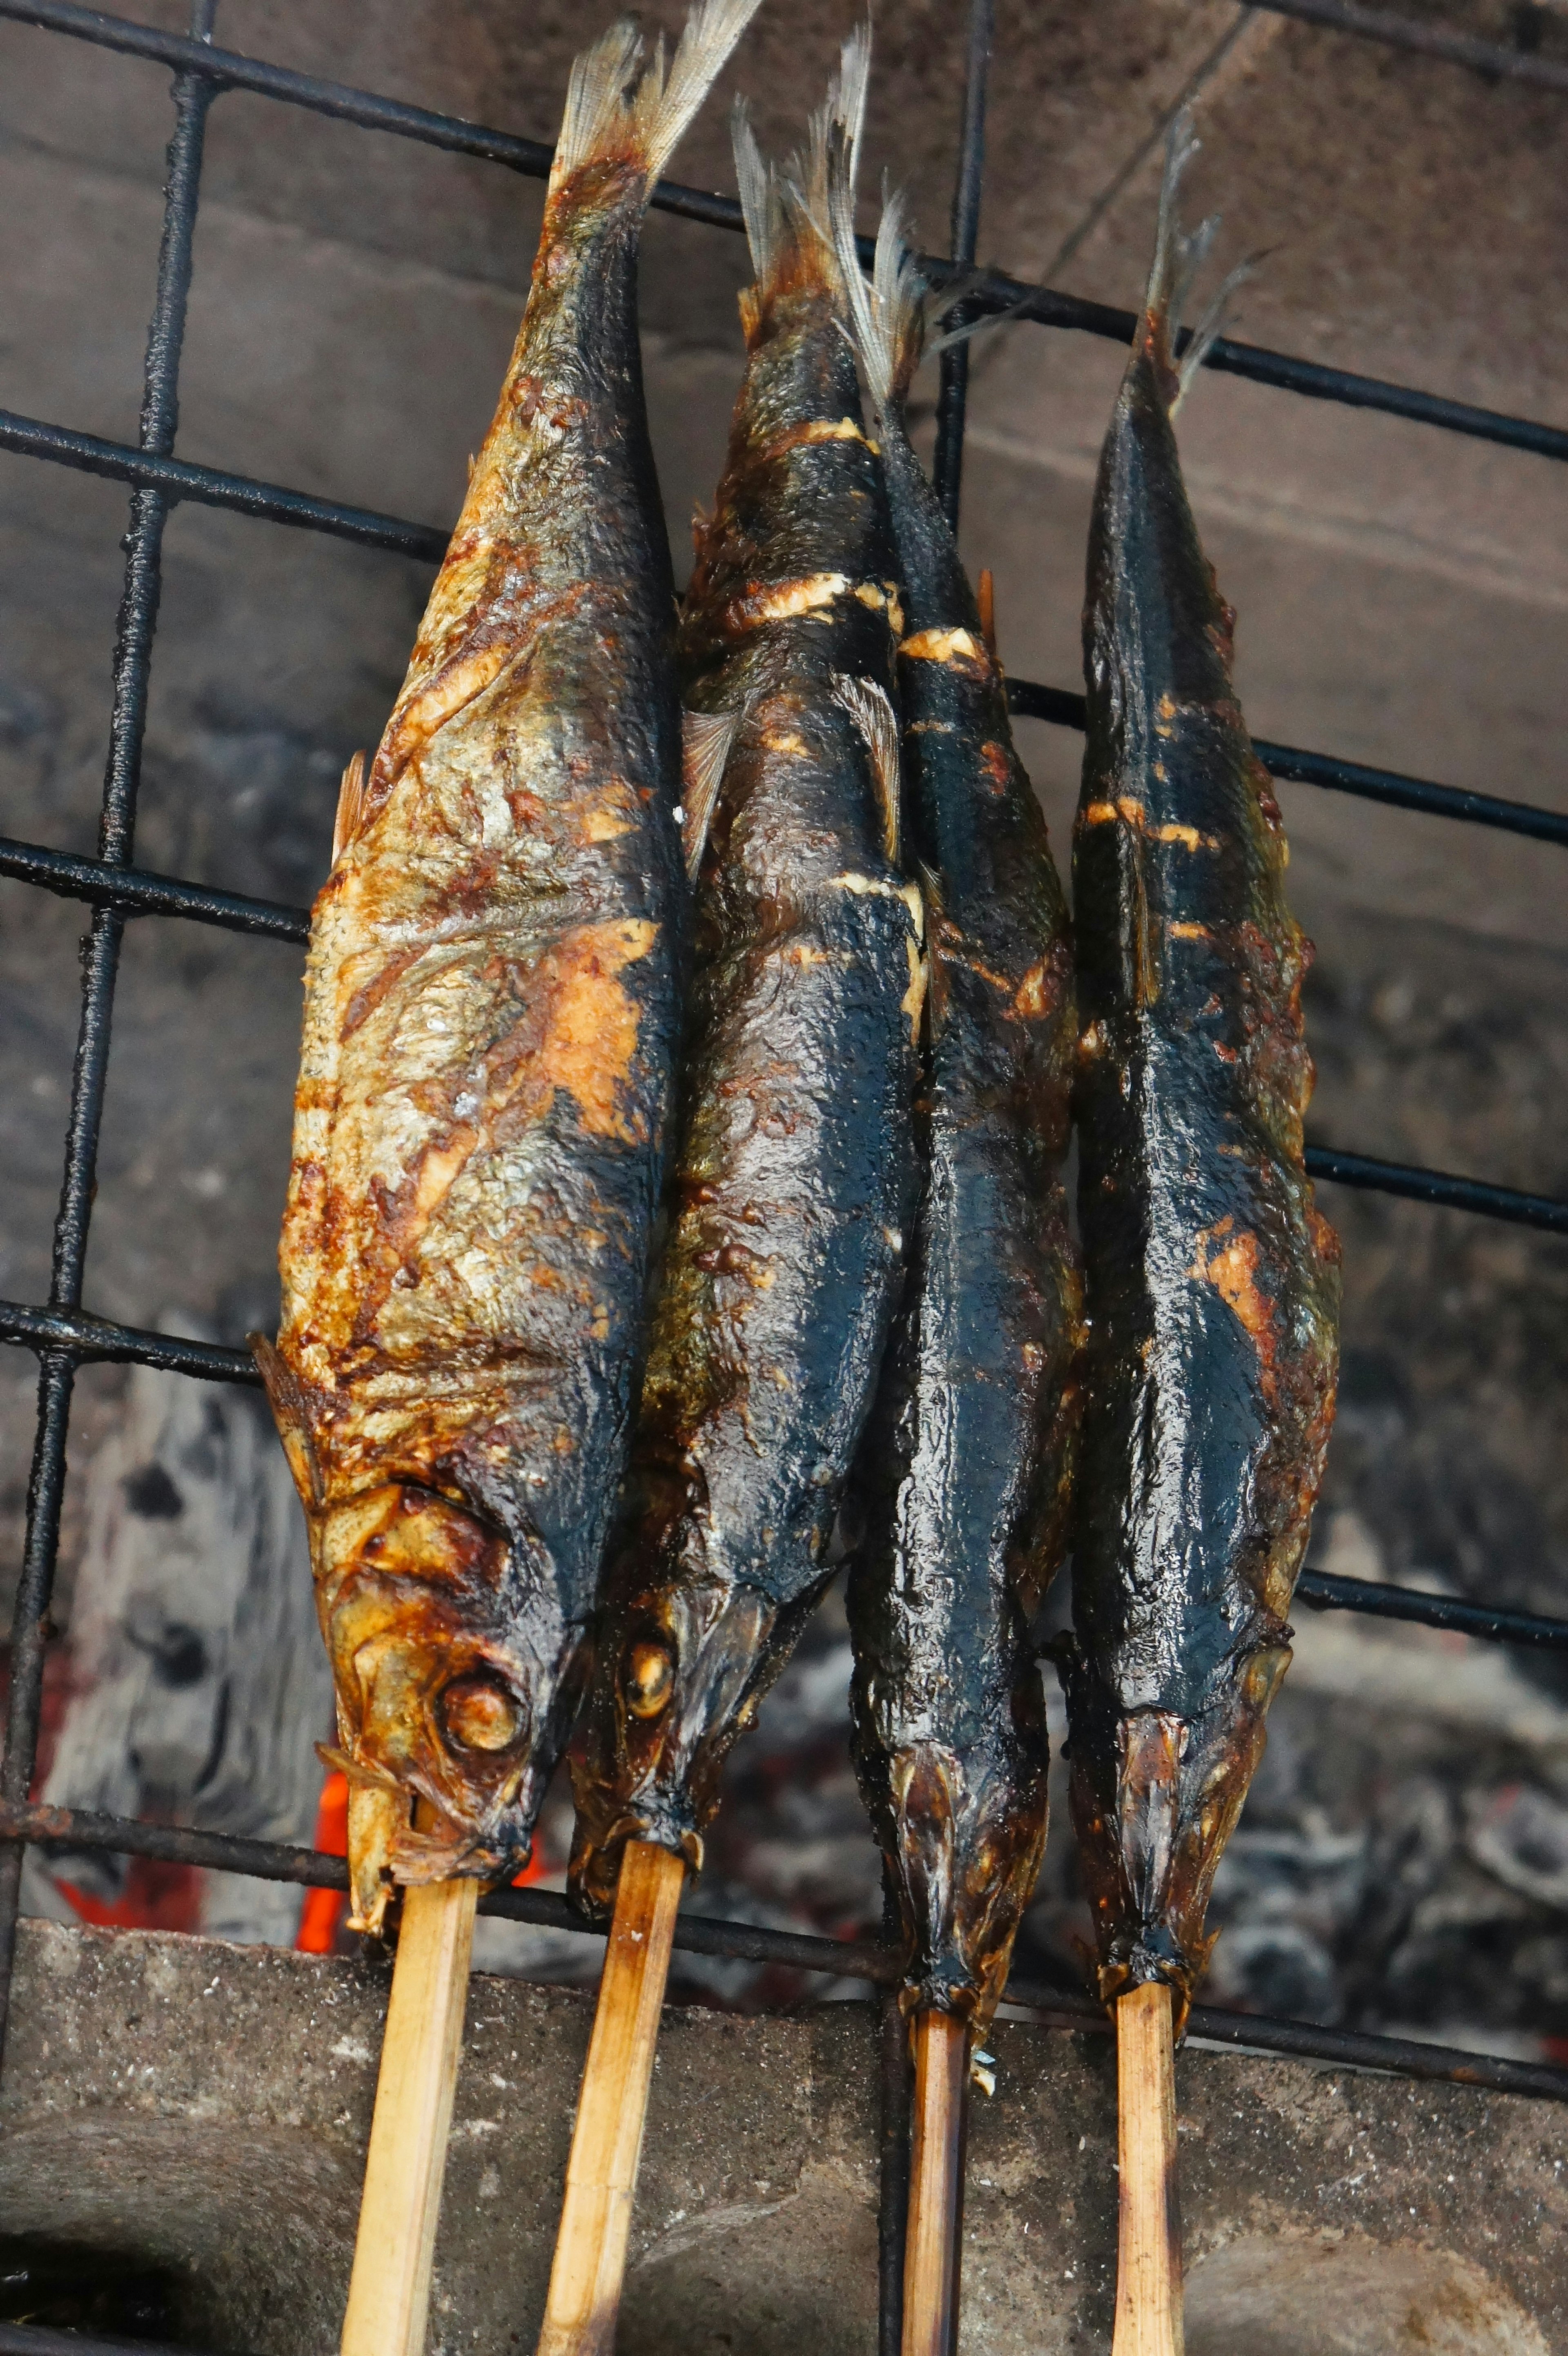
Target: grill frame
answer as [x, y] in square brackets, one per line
[64, 1336]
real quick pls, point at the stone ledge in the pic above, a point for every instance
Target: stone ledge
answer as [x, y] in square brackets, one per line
[203, 2108]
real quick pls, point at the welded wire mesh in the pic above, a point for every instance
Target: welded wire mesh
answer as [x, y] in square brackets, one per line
[65, 1336]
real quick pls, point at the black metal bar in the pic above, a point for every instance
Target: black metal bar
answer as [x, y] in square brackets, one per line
[863, 1959]
[137, 892]
[1437, 1187]
[1064, 708]
[1311, 378]
[193, 95]
[1254, 2032]
[953, 396]
[1427, 41]
[1326, 1592]
[81, 1339]
[999, 292]
[34, 437]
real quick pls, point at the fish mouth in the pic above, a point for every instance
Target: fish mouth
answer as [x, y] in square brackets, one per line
[964, 1833]
[452, 1704]
[678, 1675]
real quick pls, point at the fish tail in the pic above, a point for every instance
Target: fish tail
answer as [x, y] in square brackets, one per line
[1179, 255]
[838, 122]
[887, 318]
[787, 209]
[620, 111]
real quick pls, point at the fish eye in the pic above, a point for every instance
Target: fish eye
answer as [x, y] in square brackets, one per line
[479, 1715]
[647, 1680]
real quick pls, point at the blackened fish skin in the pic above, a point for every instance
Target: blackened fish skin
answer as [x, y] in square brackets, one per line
[1213, 1281]
[967, 1466]
[492, 1023]
[795, 1178]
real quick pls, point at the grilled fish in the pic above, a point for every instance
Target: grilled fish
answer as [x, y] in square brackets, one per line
[1213, 1281]
[795, 1178]
[492, 1029]
[967, 1466]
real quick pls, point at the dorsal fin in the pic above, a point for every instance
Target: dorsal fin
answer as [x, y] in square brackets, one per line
[706, 737]
[871, 711]
[351, 801]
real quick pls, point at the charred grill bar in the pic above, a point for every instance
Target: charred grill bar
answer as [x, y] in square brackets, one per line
[64, 1336]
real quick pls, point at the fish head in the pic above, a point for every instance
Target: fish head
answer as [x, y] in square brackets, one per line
[680, 1668]
[443, 1696]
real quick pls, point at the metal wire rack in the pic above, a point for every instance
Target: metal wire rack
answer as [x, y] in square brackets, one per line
[64, 1336]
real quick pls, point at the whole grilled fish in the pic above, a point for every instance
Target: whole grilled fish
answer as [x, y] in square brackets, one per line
[492, 1019]
[795, 1177]
[967, 1464]
[1213, 1283]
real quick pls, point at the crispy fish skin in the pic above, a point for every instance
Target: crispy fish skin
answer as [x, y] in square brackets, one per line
[795, 1178]
[967, 1466]
[1213, 1281]
[493, 1020]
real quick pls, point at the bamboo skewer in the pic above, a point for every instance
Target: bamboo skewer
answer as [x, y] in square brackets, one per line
[1148, 2255]
[606, 2142]
[389, 2292]
[936, 2185]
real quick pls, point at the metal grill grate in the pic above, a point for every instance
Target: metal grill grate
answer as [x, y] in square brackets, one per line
[65, 1336]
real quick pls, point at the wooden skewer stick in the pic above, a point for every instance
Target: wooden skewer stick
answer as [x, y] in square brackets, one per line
[1148, 2257]
[606, 2142]
[389, 2291]
[936, 2185]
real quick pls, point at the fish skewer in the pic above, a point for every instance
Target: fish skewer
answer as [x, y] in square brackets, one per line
[1213, 1283]
[492, 1019]
[967, 1460]
[795, 1178]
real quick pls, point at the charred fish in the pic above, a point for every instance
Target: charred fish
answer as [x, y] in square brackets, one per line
[1213, 1283]
[795, 1177]
[493, 1020]
[966, 1469]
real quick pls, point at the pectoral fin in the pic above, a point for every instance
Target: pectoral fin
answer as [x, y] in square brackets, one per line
[706, 737]
[871, 711]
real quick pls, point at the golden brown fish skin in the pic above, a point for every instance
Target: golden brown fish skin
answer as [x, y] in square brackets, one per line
[492, 1013]
[967, 1463]
[1212, 1279]
[795, 1177]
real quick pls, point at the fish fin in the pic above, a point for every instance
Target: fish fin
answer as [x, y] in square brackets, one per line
[937, 935]
[350, 802]
[787, 222]
[838, 123]
[618, 109]
[1209, 327]
[870, 709]
[286, 1398]
[886, 319]
[706, 737]
[1179, 256]
[761, 201]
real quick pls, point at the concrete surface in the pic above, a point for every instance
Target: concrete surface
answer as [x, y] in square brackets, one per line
[202, 2110]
